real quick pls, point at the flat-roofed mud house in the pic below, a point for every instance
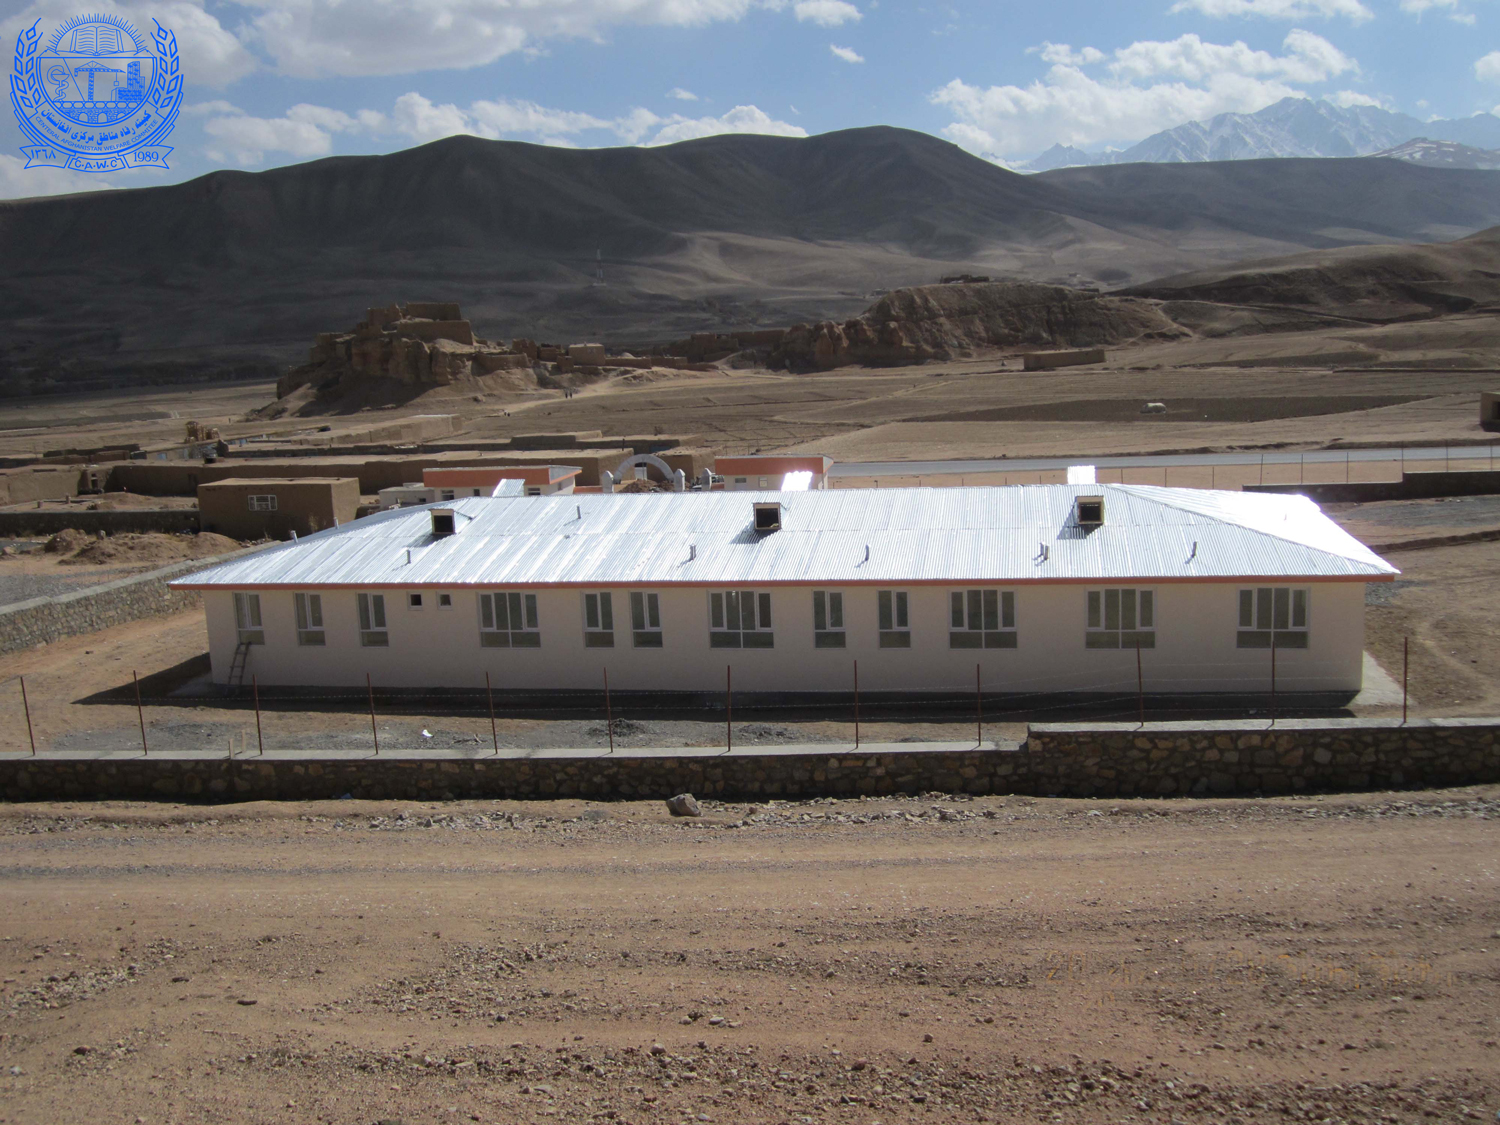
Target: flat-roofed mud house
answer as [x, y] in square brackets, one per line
[1048, 588]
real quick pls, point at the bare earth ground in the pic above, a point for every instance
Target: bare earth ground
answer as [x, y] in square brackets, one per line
[1331, 959]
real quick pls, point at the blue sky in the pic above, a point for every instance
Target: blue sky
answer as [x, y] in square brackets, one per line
[272, 82]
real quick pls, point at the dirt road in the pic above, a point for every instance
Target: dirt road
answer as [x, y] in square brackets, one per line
[1330, 959]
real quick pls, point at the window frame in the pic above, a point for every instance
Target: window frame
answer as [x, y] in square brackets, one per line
[893, 618]
[723, 634]
[307, 612]
[262, 502]
[645, 620]
[415, 601]
[1130, 603]
[598, 619]
[374, 624]
[982, 618]
[1257, 620]
[520, 603]
[249, 625]
[828, 619]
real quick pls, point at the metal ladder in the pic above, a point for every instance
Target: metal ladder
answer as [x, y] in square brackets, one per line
[236, 678]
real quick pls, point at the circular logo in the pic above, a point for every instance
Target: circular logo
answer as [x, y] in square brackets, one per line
[96, 95]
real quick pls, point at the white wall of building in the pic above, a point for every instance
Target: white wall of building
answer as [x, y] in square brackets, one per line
[1196, 650]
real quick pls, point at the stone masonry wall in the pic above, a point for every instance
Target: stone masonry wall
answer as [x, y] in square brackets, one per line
[44, 620]
[48, 522]
[1172, 759]
[1084, 760]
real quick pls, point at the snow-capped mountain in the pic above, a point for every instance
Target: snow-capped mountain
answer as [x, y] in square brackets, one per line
[1442, 154]
[1291, 127]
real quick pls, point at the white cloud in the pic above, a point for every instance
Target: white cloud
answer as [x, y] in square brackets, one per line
[419, 119]
[313, 37]
[304, 131]
[1453, 9]
[848, 54]
[740, 119]
[682, 95]
[1278, 9]
[209, 53]
[1346, 99]
[1487, 69]
[20, 182]
[827, 13]
[1147, 86]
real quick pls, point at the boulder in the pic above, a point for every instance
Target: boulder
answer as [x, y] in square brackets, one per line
[684, 804]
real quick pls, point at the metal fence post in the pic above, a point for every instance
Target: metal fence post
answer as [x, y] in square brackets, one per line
[856, 704]
[140, 712]
[490, 696]
[978, 709]
[374, 734]
[255, 691]
[25, 706]
[609, 714]
[1405, 668]
[1140, 683]
[1273, 677]
[728, 709]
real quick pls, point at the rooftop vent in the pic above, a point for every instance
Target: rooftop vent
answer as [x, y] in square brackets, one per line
[768, 517]
[443, 523]
[1090, 510]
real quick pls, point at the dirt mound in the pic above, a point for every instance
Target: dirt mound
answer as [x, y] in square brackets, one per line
[132, 548]
[67, 541]
[944, 321]
[1374, 284]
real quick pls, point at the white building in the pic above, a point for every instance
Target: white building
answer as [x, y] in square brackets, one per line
[1046, 588]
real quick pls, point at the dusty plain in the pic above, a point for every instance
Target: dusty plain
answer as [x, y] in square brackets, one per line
[1327, 959]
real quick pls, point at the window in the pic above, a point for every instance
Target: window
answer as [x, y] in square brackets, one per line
[533, 491]
[262, 503]
[740, 619]
[762, 481]
[895, 631]
[413, 601]
[645, 620]
[445, 601]
[247, 619]
[1121, 619]
[598, 621]
[1272, 615]
[828, 619]
[372, 632]
[309, 618]
[508, 620]
[447, 494]
[982, 619]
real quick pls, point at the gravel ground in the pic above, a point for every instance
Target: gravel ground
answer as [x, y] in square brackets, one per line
[934, 959]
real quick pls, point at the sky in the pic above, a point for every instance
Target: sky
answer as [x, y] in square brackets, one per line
[275, 82]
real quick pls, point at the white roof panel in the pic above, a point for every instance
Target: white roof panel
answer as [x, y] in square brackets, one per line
[912, 535]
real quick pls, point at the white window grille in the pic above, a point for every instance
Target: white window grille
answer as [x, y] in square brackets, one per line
[1273, 616]
[598, 620]
[645, 620]
[247, 619]
[508, 620]
[982, 619]
[895, 628]
[828, 619]
[372, 630]
[740, 619]
[1122, 618]
[262, 503]
[309, 619]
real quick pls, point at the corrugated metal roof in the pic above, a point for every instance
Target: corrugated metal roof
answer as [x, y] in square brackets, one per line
[912, 535]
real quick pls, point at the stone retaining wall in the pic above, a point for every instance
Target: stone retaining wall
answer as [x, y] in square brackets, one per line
[621, 777]
[1082, 760]
[1171, 759]
[46, 523]
[44, 620]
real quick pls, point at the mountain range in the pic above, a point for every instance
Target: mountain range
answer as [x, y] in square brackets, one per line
[1292, 127]
[235, 272]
